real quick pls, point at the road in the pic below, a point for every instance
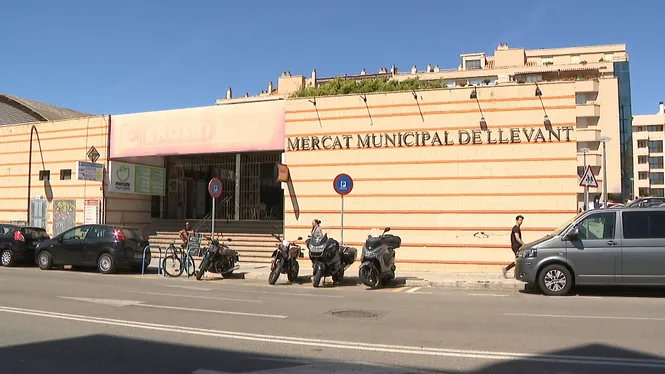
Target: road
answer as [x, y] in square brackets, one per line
[82, 322]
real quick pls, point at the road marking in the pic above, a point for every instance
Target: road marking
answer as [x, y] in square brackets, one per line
[414, 289]
[195, 297]
[118, 303]
[398, 289]
[585, 317]
[186, 287]
[211, 311]
[349, 345]
[280, 293]
[487, 294]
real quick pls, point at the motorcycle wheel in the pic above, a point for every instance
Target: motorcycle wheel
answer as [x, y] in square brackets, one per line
[274, 274]
[292, 275]
[369, 276]
[202, 269]
[316, 279]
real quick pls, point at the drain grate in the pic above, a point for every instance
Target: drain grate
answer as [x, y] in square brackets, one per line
[355, 313]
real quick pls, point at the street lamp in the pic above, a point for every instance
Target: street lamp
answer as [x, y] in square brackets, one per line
[604, 140]
[586, 188]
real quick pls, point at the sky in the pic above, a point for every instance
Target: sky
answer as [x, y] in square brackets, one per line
[113, 57]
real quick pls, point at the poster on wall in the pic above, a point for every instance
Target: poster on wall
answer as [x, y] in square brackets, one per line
[137, 179]
[91, 212]
[64, 216]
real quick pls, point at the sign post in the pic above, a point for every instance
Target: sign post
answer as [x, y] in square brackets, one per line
[215, 191]
[343, 185]
[588, 180]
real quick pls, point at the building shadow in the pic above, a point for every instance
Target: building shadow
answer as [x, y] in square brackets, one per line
[102, 354]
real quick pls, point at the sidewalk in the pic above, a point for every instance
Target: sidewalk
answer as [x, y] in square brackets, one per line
[410, 279]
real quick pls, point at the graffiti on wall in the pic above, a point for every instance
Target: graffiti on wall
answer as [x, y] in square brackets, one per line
[64, 216]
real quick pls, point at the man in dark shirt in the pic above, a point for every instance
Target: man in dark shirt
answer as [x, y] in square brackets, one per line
[515, 241]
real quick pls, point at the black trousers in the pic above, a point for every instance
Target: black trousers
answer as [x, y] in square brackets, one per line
[512, 264]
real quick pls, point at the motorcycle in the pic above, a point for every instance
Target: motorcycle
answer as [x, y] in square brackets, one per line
[218, 258]
[285, 260]
[378, 259]
[329, 258]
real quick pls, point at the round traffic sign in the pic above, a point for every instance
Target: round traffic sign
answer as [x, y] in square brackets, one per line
[215, 188]
[343, 184]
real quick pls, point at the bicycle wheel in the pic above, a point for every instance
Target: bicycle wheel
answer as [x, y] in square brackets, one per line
[172, 265]
[190, 266]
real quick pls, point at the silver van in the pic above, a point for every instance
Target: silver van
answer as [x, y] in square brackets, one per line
[604, 247]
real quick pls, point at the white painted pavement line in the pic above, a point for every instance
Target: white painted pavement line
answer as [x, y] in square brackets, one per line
[212, 311]
[413, 290]
[195, 296]
[348, 345]
[585, 317]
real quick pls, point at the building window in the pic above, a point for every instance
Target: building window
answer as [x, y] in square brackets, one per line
[65, 174]
[656, 146]
[44, 175]
[643, 191]
[580, 171]
[657, 192]
[643, 175]
[657, 178]
[642, 159]
[580, 99]
[533, 78]
[643, 143]
[655, 128]
[547, 60]
[575, 59]
[473, 64]
[656, 162]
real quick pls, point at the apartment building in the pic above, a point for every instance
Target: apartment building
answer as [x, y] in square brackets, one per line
[648, 137]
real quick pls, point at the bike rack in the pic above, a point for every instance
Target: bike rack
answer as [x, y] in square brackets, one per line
[159, 263]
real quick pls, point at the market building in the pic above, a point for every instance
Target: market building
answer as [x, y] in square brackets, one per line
[648, 137]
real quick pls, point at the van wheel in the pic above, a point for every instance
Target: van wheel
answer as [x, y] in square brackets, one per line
[555, 280]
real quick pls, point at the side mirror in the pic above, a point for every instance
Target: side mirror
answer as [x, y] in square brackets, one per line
[574, 234]
[300, 238]
[387, 229]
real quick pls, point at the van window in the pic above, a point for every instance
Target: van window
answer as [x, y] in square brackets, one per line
[599, 226]
[644, 224]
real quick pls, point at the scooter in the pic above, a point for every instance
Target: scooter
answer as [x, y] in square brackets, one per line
[378, 259]
[329, 258]
[218, 258]
[285, 260]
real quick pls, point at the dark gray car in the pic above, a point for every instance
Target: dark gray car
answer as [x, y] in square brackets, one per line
[604, 247]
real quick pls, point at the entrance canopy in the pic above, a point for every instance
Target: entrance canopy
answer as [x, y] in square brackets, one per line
[242, 127]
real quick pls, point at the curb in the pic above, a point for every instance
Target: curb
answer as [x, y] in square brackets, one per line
[465, 284]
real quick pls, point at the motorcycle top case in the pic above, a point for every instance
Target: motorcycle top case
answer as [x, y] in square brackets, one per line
[349, 255]
[391, 241]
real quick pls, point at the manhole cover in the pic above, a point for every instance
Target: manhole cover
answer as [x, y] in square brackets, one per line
[355, 314]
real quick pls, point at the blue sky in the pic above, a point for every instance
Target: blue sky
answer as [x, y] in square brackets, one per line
[132, 56]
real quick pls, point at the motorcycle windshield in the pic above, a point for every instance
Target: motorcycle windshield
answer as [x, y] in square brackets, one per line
[318, 241]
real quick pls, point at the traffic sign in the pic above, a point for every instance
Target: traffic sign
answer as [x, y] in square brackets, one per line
[588, 179]
[215, 188]
[343, 184]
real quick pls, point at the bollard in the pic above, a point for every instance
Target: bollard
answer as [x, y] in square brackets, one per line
[159, 261]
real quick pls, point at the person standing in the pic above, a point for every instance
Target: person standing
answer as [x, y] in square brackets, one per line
[515, 242]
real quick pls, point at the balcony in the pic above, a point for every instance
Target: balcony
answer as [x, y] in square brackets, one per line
[588, 134]
[587, 110]
[590, 85]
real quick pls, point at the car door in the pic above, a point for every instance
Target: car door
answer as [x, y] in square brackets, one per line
[73, 245]
[643, 257]
[596, 255]
[98, 239]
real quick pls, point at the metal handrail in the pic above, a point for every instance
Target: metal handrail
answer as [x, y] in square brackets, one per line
[159, 261]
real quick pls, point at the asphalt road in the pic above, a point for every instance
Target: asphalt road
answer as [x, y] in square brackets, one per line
[83, 322]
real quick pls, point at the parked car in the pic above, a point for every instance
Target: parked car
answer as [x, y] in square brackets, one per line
[609, 247]
[17, 244]
[106, 247]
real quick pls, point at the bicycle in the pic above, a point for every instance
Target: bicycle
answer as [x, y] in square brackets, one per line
[175, 259]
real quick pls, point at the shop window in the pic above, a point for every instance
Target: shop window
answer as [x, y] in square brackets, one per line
[643, 175]
[44, 175]
[65, 174]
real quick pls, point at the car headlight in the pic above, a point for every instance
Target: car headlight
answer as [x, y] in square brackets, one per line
[529, 253]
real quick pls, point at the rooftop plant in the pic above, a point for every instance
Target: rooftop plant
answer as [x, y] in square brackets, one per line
[341, 86]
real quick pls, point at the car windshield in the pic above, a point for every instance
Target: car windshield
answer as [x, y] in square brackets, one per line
[559, 230]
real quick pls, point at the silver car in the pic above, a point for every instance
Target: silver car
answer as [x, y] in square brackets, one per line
[605, 247]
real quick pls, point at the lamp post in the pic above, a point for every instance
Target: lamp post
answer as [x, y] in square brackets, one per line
[604, 140]
[586, 188]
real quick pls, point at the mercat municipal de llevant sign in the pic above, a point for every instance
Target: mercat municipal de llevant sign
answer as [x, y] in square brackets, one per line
[431, 138]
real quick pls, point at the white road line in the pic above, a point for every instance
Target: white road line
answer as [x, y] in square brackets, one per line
[212, 311]
[585, 317]
[413, 290]
[487, 294]
[195, 297]
[185, 287]
[280, 293]
[348, 345]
